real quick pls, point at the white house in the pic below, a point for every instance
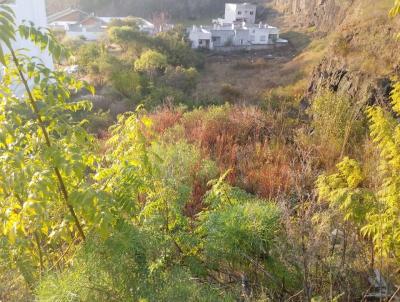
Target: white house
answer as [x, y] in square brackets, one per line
[35, 11]
[264, 34]
[220, 36]
[235, 31]
[201, 38]
[77, 23]
[63, 19]
[240, 12]
[90, 28]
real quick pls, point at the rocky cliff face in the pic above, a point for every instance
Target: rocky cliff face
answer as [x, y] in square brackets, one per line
[324, 15]
[334, 75]
[362, 54]
[361, 62]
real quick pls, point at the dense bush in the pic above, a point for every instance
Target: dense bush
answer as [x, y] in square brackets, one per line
[229, 93]
[337, 125]
[162, 224]
[150, 62]
[181, 78]
[143, 213]
[141, 68]
[124, 268]
[174, 45]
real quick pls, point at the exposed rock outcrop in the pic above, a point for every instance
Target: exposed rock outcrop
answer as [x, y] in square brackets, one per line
[334, 75]
[361, 60]
[362, 55]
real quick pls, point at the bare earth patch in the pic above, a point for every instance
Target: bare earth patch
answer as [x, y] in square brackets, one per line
[249, 74]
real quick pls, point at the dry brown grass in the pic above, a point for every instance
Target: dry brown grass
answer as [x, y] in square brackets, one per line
[369, 45]
[255, 73]
[242, 139]
[249, 73]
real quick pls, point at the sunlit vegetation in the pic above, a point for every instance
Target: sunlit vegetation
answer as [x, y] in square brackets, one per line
[130, 68]
[137, 192]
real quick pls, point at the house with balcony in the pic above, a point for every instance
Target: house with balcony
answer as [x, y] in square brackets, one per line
[236, 30]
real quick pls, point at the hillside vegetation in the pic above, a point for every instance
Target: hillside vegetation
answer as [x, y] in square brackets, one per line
[161, 173]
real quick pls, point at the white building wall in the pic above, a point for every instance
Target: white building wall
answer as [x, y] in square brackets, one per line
[263, 35]
[248, 12]
[240, 11]
[223, 37]
[258, 36]
[197, 34]
[230, 12]
[35, 11]
[242, 37]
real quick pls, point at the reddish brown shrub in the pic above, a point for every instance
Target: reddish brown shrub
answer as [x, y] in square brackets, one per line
[267, 169]
[165, 118]
[243, 139]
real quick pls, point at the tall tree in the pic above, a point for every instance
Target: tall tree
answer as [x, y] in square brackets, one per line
[46, 157]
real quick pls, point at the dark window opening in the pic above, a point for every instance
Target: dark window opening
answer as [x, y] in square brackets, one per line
[273, 37]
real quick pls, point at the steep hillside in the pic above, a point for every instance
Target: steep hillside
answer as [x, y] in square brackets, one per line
[321, 14]
[361, 54]
[360, 61]
[355, 37]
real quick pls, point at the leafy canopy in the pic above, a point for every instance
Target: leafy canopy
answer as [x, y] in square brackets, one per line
[47, 199]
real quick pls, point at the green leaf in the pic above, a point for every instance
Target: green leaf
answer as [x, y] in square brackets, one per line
[2, 58]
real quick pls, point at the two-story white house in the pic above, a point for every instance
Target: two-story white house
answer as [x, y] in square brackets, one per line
[236, 29]
[35, 11]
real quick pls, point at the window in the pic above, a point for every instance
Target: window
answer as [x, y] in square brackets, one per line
[239, 12]
[263, 38]
[273, 37]
[251, 13]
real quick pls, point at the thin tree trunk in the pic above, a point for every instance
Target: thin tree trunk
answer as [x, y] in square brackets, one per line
[40, 253]
[42, 126]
